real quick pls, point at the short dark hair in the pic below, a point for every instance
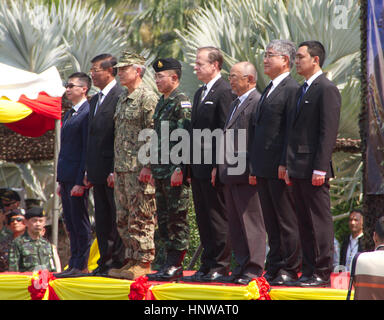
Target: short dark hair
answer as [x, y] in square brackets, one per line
[83, 77]
[379, 228]
[356, 210]
[108, 61]
[315, 48]
[214, 54]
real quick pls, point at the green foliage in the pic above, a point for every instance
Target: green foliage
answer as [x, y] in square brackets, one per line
[67, 34]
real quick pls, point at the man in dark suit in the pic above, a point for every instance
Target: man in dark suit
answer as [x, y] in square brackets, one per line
[269, 132]
[312, 137]
[99, 164]
[70, 173]
[210, 108]
[245, 218]
[354, 242]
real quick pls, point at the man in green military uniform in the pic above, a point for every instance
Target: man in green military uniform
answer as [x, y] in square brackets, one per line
[31, 251]
[135, 200]
[172, 196]
[5, 239]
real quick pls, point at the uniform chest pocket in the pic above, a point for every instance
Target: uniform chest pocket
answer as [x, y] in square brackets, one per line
[131, 113]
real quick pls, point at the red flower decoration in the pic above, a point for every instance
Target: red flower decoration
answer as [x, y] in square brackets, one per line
[264, 288]
[139, 290]
[40, 284]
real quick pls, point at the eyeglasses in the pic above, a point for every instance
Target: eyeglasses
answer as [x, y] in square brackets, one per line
[268, 55]
[15, 219]
[71, 85]
[234, 76]
[95, 70]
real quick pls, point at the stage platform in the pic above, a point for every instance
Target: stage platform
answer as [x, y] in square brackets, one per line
[43, 286]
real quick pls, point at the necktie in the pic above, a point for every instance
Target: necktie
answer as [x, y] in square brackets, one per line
[71, 112]
[203, 92]
[100, 96]
[265, 93]
[235, 105]
[263, 96]
[303, 90]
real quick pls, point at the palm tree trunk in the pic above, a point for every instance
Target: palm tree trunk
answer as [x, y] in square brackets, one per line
[373, 205]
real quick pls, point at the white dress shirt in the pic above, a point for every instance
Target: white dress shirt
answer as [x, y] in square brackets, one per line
[276, 81]
[210, 85]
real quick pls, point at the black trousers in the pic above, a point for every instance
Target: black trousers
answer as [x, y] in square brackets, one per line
[213, 226]
[280, 220]
[111, 247]
[315, 226]
[75, 212]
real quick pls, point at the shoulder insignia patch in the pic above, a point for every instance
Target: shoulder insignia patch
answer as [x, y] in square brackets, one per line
[185, 104]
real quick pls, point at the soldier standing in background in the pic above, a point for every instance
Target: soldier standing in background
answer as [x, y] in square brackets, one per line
[172, 196]
[31, 250]
[135, 200]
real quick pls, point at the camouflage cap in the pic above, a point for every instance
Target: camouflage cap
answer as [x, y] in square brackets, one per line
[129, 58]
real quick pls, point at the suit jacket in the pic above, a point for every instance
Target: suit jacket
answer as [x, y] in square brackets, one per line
[210, 114]
[269, 129]
[100, 152]
[313, 130]
[74, 135]
[241, 119]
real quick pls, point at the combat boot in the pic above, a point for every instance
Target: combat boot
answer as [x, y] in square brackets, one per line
[137, 270]
[116, 273]
[174, 271]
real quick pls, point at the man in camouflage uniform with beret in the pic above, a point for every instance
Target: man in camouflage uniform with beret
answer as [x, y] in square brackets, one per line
[31, 251]
[172, 194]
[135, 200]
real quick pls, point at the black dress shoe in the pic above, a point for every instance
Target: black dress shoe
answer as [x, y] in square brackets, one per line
[63, 273]
[172, 273]
[283, 280]
[315, 281]
[212, 277]
[244, 280]
[156, 276]
[99, 272]
[269, 276]
[73, 273]
[196, 277]
[227, 279]
[298, 282]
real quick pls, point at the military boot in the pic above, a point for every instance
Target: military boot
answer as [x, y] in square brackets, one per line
[116, 273]
[174, 271]
[136, 270]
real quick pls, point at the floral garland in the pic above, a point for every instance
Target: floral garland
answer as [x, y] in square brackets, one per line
[264, 288]
[258, 289]
[39, 285]
[140, 290]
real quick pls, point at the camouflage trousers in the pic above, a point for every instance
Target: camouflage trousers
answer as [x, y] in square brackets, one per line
[135, 210]
[172, 215]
